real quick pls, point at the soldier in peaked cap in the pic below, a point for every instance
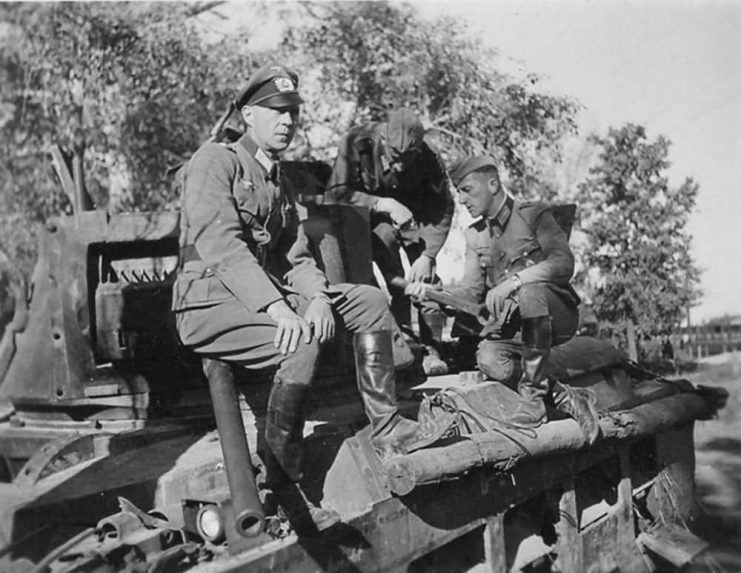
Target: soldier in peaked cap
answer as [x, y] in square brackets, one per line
[250, 293]
[389, 168]
[518, 261]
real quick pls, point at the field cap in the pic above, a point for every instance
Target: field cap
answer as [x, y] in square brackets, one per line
[466, 165]
[273, 85]
[404, 130]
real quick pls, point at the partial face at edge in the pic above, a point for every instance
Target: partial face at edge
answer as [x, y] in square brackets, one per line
[272, 128]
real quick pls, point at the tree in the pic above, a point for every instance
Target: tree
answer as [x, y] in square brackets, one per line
[136, 80]
[638, 244]
[362, 59]
[143, 86]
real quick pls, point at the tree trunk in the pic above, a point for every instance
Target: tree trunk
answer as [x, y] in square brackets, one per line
[632, 342]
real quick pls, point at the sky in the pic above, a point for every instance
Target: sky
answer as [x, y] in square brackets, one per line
[673, 66]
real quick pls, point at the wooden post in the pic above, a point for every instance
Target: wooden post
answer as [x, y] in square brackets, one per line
[494, 547]
[570, 548]
[630, 553]
[671, 498]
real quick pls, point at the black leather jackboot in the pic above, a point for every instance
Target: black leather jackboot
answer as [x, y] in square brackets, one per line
[391, 433]
[284, 429]
[533, 386]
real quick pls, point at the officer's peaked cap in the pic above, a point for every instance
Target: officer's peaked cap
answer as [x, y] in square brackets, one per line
[404, 130]
[466, 165]
[273, 85]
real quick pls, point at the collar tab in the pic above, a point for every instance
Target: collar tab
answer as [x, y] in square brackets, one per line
[503, 213]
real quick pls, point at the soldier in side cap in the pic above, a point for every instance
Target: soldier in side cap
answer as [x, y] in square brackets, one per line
[250, 293]
[518, 261]
[389, 168]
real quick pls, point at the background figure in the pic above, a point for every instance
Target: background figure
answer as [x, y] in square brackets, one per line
[250, 293]
[390, 169]
[518, 261]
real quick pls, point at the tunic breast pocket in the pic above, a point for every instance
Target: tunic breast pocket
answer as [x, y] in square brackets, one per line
[247, 200]
[526, 254]
[486, 259]
[253, 212]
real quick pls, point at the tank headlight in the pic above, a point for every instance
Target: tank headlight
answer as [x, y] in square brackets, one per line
[210, 524]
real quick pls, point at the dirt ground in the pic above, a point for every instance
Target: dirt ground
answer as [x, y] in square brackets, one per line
[718, 469]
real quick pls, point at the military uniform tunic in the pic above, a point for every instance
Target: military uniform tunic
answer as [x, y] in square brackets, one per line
[361, 174]
[523, 238]
[243, 247]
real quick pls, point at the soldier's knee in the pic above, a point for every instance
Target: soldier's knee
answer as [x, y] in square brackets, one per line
[497, 365]
[533, 299]
[298, 367]
[368, 297]
[375, 306]
[532, 291]
[308, 351]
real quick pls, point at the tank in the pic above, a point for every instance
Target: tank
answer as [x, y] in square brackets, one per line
[118, 453]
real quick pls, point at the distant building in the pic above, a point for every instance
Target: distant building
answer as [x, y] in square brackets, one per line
[715, 336]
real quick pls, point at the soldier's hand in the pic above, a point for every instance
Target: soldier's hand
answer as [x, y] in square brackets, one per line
[399, 214]
[319, 316]
[417, 290]
[495, 297]
[422, 270]
[290, 327]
